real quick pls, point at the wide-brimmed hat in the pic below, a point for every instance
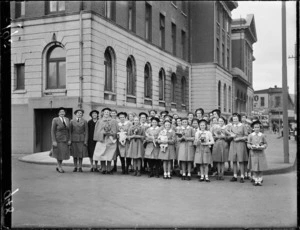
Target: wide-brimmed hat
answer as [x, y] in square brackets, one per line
[255, 122]
[122, 113]
[155, 118]
[237, 114]
[106, 109]
[166, 112]
[143, 113]
[184, 118]
[94, 111]
[217, 111]
[77, 110]
[203, 120]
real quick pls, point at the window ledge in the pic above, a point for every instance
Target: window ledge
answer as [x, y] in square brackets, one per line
[174, 5]
[162, 101]
[20, 91]
[184, 14]
[109, 92]
[148, 99]
[53, 91]
[183, 105]
[173, 103]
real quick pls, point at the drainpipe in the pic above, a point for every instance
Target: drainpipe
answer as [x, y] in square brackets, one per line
[80, 57]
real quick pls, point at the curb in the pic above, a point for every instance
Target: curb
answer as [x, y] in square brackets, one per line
[226, 173]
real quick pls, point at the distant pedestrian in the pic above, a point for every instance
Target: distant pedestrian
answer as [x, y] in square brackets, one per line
[257, 143]
[79, 139]
[60, 139]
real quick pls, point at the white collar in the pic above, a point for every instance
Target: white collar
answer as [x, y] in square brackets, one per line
[125, 123]
[239, 124]
[170, 130]
[153, 128]
[259, 134]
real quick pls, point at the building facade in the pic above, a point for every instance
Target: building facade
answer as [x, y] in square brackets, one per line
[128, 55]
[243, 38]
[269, 103]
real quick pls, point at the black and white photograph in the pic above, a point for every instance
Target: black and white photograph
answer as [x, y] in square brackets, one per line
[149, 114]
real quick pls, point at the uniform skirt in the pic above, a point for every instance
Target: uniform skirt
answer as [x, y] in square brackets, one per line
[123, 149]
[238, 151]
[61, 152]
[79, 150]
[152, 152]
[203, 155]
[136, 149]
[186, 151]
[257, 161]
[169, 154]
[220, 151]
[91, 148]
[105, 151]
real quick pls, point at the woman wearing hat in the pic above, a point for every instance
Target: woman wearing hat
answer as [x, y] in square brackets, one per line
[136, 149]
[199, 113]
[152, 148]
[79, 139]
[220, 149]
[257, 143]
[144, 124]
[186, 149]
[60, 138]
[91, 143]
[167, 155]
[123, 143]
[238, 149]
[203, 141]
[247, 123]
[105, 134]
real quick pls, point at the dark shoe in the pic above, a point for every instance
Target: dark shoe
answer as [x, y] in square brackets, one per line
[252, 180]
[207, 179]
[104, 172]
[221, 178]
[157, 175]
[217, 177]
[246, 178]
[114, 169]
[188, 177]
[255, 183]
[170, 177]
[183, 178]
[165, 177]
[233, 179]
[80, 170]
[138, 173]
[75, 170]
[96, 170]
[201, 179]
[110, 172]
[242, 180]
[57, 169]
[151, 174]
[135, 173]
[92, 170]
[259, 184]
[60, 170]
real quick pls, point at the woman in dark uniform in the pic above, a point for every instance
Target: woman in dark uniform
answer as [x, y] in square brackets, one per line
[91, 143]
[79, 139]
[60, 138]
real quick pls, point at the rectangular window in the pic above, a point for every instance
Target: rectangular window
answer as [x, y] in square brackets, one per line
[228, 60]
[277, 101]
[183, 46]
[110, 10]
[131, 15]
[217, 12]
[262, 102]
[56, 6]
[20, 76]
[173, 38]
[148, 24]
[20, 9]
[223, 55]
[162, 31]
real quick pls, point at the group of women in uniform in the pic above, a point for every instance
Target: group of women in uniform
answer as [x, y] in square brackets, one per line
[160, 142]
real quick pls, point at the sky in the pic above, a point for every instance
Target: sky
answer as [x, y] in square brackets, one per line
[267, 68]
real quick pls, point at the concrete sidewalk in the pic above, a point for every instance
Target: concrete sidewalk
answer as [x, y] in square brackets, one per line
[274, 154]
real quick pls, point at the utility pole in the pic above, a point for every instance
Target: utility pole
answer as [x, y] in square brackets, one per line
[284, 87]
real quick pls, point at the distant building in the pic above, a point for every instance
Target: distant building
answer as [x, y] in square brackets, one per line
[243, 37]
[268, 102]
[128, 55]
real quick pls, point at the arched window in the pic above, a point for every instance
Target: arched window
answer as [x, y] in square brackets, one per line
[225, 98]
[229, 99]
[183, 89]
[219, 95]
[56, 68]
[131, 76]
[148, 81]
[162, 80]
[109, 63]
[173, 87]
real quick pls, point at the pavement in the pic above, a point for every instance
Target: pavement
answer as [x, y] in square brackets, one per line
[274, 155]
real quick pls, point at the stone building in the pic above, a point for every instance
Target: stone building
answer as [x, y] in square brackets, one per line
[128, 55]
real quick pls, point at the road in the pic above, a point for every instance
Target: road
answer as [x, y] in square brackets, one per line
[50, 199]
